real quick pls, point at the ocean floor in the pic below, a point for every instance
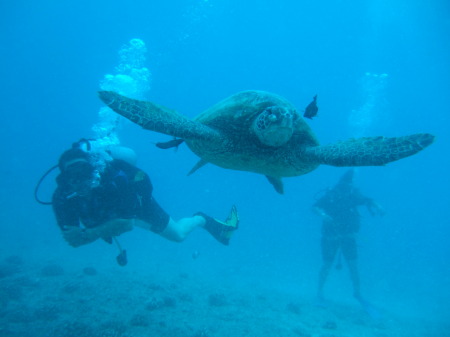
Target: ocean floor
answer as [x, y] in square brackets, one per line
[53, 300]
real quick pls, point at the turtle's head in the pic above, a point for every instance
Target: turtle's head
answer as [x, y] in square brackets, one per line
[274, 126]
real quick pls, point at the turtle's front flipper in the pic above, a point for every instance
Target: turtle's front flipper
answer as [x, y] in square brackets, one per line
[370, 151]
[156, 117]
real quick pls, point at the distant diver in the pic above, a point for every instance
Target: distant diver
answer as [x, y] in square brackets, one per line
[312, 109]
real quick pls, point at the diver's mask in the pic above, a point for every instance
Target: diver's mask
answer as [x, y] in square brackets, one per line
[80, 178]
[78, 175]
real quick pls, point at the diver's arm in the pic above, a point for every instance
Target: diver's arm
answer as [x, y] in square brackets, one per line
[373, 207]
[322, 213]
[65, 212]
[77, 236]
[68, 221]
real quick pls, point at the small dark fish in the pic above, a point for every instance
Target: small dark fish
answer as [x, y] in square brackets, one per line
[171, 143]
[312, 109]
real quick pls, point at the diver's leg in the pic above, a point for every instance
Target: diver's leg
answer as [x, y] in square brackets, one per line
[323, 275]
[179, 230]
[354, 276]
[350, 252]
[329, 247]
[222, 231]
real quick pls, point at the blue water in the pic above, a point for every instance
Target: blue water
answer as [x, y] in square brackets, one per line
[378, 67]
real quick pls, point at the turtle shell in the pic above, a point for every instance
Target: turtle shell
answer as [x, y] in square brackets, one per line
[239, 148]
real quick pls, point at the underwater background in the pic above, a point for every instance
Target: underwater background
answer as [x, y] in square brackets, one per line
[378, 67]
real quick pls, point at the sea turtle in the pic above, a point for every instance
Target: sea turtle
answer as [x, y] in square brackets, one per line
[262, 132]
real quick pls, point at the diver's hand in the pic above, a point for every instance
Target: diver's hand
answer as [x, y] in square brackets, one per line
[375, 209]
[76, 236]
[325, 217]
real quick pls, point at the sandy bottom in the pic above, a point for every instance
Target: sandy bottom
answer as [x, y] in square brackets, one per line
[51, 300]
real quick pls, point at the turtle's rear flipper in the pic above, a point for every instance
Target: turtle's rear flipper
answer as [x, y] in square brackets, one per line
[199, 164]
[171, 143]
[276, 183]
[370, 151]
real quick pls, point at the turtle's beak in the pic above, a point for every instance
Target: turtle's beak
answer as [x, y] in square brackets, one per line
[278, 135]
[286, 122]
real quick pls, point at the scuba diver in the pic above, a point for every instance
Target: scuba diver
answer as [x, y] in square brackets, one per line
[338, 208]
[101, 194]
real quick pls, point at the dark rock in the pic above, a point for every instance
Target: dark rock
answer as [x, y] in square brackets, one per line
[301, 332]
[71, 287]
[217, 300]
[201, 333]
[7, 270]
[90, 271]
[157, 303]
[294, 308]
[15, 260]
[25, 281]
[113, 328]
[140, 320]
[52, 270]
[47, 313]
[186, 297]
[330, 325]
[12, 291]
[153, 304]
[74, 328]
[184, 276]
[169, 302]
[21, 315]
[8, 333]
[155, 286]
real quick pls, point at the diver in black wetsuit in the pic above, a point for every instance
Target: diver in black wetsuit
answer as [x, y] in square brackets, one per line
[103, 198]
[341, 222]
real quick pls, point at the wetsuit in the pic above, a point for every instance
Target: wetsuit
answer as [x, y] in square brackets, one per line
[124, 192]
[341, 205]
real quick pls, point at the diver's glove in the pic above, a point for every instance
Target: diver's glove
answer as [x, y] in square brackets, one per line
[77, 236]
[325, 217]
[375, 209]
[221, 231]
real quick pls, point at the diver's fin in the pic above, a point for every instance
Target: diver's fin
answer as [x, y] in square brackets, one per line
[199, 164]
[370, 310]
[222, 230]
[171, 143]
[276, 183]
